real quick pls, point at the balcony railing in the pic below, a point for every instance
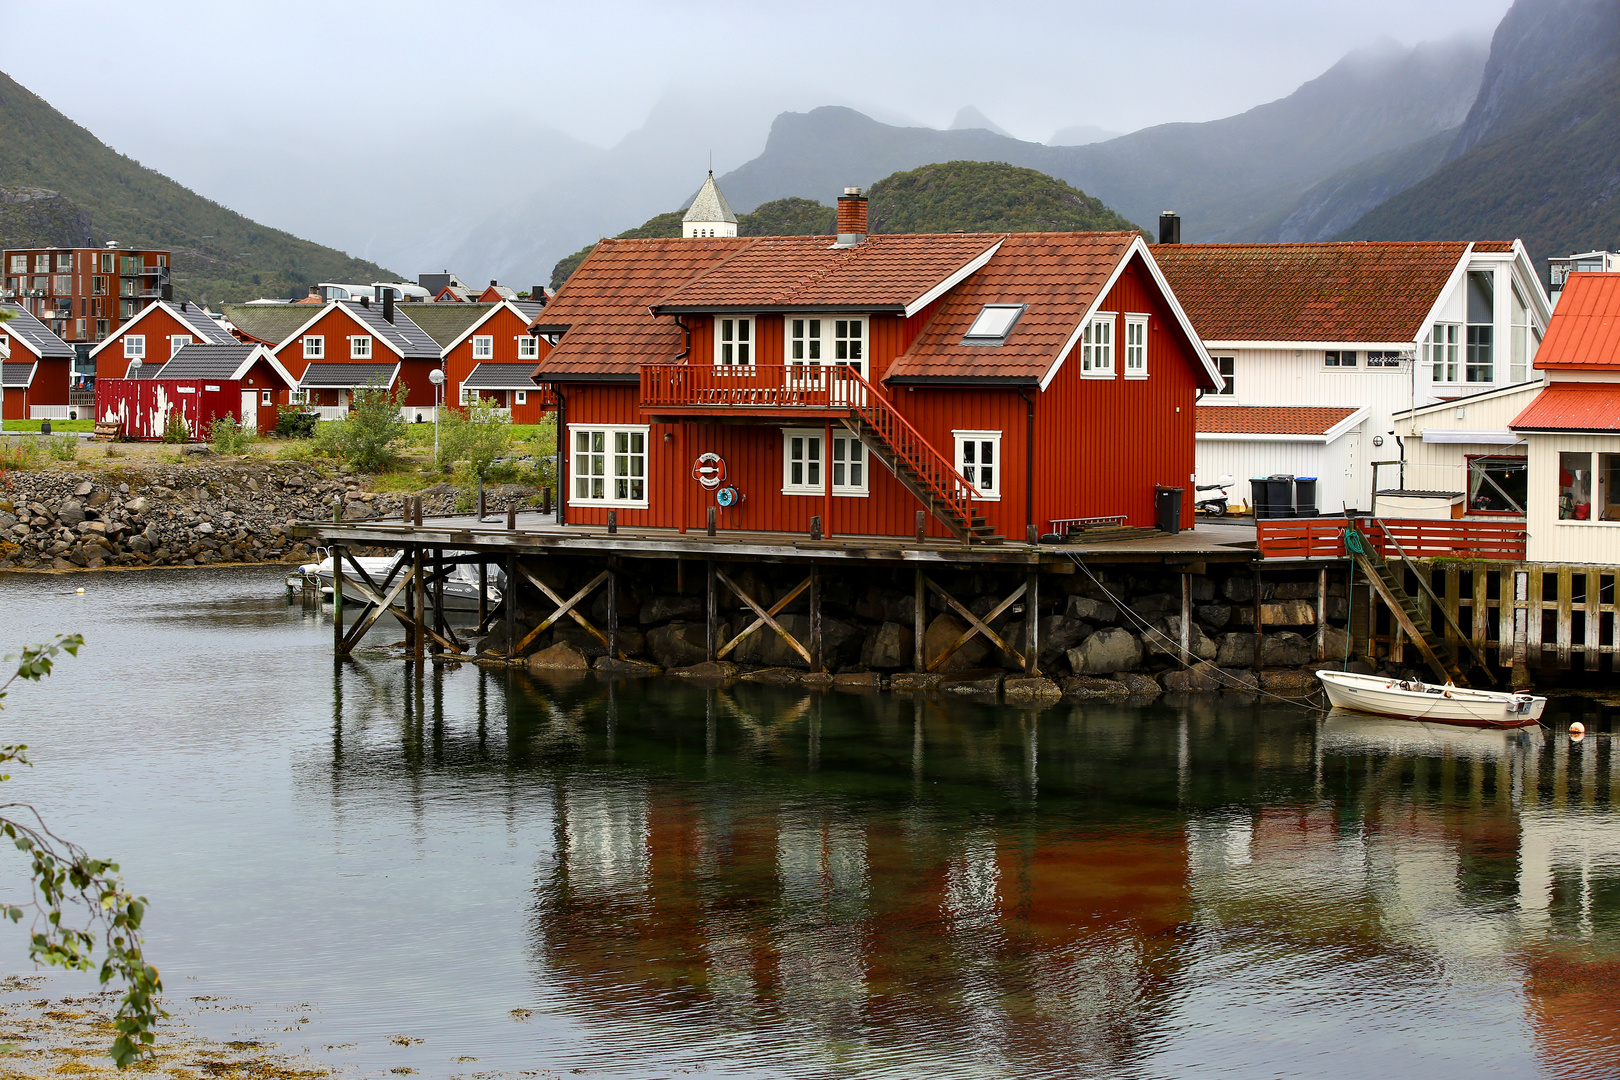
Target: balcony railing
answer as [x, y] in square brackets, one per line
[1416, 538]
[757, 386]
[153, 271]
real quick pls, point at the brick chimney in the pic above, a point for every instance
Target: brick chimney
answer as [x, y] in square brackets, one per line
[851, 217]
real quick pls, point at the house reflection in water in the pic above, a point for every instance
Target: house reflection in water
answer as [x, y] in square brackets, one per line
[852, 922]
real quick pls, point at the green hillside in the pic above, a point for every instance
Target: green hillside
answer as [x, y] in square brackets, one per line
[984, 196]
[1548, 180]
[957, 196]
[219, 255]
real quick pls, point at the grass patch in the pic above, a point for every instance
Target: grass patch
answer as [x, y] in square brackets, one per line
[56, 425]
[397, 480]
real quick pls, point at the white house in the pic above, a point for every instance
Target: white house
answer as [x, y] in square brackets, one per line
[1376, 326]
[1459, 458]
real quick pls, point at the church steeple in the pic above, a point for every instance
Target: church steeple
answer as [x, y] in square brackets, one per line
[709, 214]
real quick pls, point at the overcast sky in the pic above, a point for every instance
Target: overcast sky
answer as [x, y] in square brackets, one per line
[593, 70]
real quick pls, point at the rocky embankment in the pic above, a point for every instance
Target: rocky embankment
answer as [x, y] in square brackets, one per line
[188, 515]
[1111, 637]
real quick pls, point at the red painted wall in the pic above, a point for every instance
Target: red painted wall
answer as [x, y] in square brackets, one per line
[144, 405]
[50, 385]
[158, 327]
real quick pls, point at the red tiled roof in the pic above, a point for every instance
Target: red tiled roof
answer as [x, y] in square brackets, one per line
[1584, 332]
[1572, 406]
[807, 271]
[1057, 274]
[1349, 292]
[607, 303]
[1269, 419]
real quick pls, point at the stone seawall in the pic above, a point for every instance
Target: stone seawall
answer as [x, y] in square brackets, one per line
[188, 515]
[1116, 636]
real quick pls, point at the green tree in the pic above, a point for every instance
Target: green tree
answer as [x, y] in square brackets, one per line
[77, 902]
[477, 434]
[365, 440]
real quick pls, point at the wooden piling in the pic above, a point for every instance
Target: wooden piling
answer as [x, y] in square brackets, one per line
[1032, 623]
[1258, 630]
[419, 637]
[337, 598]
[1321, 615]
[510, 599]
[817, 661]
[438, 598]
[711, 637]
[1186, 618]
[920, 621]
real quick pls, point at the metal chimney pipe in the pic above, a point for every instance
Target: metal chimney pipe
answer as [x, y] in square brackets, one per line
[388, 305]
[1169, 227]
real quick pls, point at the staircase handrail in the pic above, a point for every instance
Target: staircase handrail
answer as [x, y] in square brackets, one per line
[1435, 603]
[940, 477]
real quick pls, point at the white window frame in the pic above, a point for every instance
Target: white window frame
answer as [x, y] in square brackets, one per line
[314, 347]
[610, 461]
[528, 347]
[1097, 355]
[847, 449]
[798, 332]
[360, 347]
[977, 439]
[179, 341]
[736, 341]
[823, 348]
[467, 394]
[1136, 346]
[1334, 359]
[266, 398]
[1228, 379]
[811, 466]
[483, 347]
[520, 397]
[134, 346]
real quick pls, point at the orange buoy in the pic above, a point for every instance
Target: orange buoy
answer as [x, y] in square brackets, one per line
[1577, 731]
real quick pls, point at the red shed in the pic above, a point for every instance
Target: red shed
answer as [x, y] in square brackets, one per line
[204, 382]
[999, 381]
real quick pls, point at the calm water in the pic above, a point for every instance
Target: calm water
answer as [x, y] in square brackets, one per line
[651, 879]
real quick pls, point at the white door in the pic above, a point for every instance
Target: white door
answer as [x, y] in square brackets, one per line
[250, 411]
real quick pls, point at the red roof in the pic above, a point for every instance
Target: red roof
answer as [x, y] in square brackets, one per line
[607, 304]
[1057, 274]
[1584, 332]
[1269, 419]
[1572, 406]
[882, 272]
[1349, 292]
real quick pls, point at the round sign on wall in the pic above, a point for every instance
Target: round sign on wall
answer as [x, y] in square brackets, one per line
[709, 470]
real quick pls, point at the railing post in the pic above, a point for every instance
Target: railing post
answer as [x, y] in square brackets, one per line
[613, 522]
[922, 525]
[711, 520]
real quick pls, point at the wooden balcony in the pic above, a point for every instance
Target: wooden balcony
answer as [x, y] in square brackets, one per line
[774, 391]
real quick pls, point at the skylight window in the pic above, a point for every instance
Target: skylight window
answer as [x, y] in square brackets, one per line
[993, 324]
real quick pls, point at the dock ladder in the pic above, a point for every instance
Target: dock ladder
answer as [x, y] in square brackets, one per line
[1387, 581]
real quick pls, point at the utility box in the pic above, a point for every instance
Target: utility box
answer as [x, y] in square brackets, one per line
[1167, 507]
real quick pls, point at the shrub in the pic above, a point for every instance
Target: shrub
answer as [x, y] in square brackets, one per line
[63, 447]
[230, 437]
[365, 441]
[477, 435]
[542, 447]
[295, 422]
[19, 454]
[175, 429]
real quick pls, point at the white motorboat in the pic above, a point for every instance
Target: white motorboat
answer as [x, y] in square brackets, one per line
[460, 587]
[1414, 700]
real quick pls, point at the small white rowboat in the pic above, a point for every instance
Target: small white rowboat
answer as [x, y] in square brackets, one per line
[1383, 696]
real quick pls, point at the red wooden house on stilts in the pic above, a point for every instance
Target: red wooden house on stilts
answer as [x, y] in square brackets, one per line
[999, 382]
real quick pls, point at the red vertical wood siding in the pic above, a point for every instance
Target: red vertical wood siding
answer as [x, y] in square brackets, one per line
[1102, 444]
[505, 327]
[158, 327]
[337, 326]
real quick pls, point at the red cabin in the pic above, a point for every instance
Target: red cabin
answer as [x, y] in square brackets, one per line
[203, 383]
[36, 369]
[154, 336]
[345, 346]
[998, 381]
[494, 358]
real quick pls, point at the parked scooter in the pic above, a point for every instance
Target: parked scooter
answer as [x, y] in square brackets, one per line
[1213, 505]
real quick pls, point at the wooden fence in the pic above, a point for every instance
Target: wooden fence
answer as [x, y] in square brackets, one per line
[1416, 538]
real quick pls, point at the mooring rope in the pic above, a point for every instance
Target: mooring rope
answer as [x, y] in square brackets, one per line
[1147, 628]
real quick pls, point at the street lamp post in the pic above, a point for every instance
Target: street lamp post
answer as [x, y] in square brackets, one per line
[436, 377]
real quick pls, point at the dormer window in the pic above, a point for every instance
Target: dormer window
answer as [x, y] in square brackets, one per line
[993, 324]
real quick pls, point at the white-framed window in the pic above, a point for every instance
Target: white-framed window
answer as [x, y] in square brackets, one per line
[483, 347]
[804, 458]
[520, 397]
[1227, 366]
[134, 346]
[528, 347]
[734, 341]
[314, 347]
[178, 342]
[609, 465]
[1385, 358]
[1340, 358]
[1136, 337]
[467, 395]
[1441, 351]
[1097, 346]
[978, 459]
[849, 343]
[360, 347]
[804, 341]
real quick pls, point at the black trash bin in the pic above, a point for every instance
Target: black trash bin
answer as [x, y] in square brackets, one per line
[1305, 497]
[44, 427]
[1260, 496]
[1282, 495]
[1167, 507]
